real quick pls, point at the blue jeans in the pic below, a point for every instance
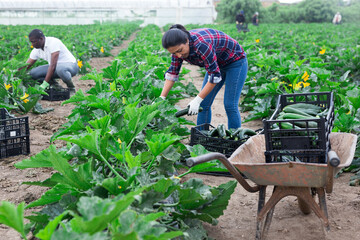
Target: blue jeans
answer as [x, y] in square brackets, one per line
[233, 76]
[63, 70]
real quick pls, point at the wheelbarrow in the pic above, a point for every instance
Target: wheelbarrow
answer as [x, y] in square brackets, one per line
[303, 180]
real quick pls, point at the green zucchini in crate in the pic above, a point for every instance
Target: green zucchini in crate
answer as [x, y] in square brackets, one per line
[299, 128]
[219, 139]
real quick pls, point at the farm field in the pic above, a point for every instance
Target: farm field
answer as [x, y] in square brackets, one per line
[109, 163]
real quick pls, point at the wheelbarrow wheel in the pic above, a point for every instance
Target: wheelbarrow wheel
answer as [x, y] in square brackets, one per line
[304, 207]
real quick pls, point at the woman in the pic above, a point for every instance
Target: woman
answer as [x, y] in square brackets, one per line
[225, 63]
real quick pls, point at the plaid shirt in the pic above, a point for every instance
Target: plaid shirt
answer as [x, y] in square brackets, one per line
[211, 49]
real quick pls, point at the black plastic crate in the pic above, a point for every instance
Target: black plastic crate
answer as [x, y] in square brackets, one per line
[213, 144]
[57, 94]
[309, 144]
[14, 135]
[12, 126]
[14, 146]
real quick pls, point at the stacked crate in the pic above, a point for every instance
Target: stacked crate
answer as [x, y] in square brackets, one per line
[14, 135]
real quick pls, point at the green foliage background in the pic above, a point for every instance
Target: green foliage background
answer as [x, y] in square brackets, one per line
[307, 11]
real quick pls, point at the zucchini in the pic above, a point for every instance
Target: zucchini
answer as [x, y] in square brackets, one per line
[309, 124]
[301, 124]
[249, 132]
[289, 109]
[296, 116]
[286, 125]
[222, 130]
[323, 113]
[185, 111]
[311, 109]
[214, 132]
[246, 132]
[229, 133]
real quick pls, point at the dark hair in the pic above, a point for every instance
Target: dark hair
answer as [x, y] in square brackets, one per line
[177, 34]
[36, 33]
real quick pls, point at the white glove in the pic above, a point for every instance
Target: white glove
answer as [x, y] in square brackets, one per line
[162, 97]
[194, 105]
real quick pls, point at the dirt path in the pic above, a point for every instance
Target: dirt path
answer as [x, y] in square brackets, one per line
[238, 221]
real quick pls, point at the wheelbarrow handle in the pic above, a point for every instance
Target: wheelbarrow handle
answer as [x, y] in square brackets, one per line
[333, 158]
[333, 162]
[193, 161]
[222, 158]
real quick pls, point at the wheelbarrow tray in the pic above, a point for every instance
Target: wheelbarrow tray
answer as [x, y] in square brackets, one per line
[249, 158]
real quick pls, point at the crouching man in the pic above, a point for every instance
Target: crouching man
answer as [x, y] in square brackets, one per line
[61, 63]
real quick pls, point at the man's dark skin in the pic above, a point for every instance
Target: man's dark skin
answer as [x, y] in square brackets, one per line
[40, 43]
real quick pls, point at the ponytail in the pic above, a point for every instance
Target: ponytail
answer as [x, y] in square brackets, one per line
[177, 34]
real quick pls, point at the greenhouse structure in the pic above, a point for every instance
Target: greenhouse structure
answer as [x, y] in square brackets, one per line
[64, 12]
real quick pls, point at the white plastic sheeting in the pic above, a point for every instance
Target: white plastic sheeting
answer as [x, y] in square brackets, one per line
[158, 12]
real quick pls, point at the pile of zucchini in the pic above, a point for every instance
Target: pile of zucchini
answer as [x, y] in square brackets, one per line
[299, 111]
[230, 134]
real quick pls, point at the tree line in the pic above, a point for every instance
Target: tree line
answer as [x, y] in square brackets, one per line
[307, 11]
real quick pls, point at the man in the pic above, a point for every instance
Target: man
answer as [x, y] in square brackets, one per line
[240, 22]
[255, 19]
[337, 18]
[62, 64]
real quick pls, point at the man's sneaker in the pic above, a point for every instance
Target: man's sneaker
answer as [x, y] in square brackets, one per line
[72, 91]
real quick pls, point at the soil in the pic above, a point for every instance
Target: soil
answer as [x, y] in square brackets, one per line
[238, 220]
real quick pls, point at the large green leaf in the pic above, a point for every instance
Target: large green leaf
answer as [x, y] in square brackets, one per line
[218, 205]
[354, 97]
[53, 195]
[142, 226]
[89, 140]
[46, 233]
[78, 176]
[159, 142]
[13, 216]
[69, 128]
[137, 119]
[97, 213]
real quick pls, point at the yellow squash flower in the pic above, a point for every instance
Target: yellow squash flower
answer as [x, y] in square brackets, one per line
[322, 51]
[25, 100]
[257, 40]
[119, 141]
[301, 85]
[305, 76]
[306, 84]
[7, 86]
[102, 49]
[32, 46]
[79, 63]
[25, 96]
